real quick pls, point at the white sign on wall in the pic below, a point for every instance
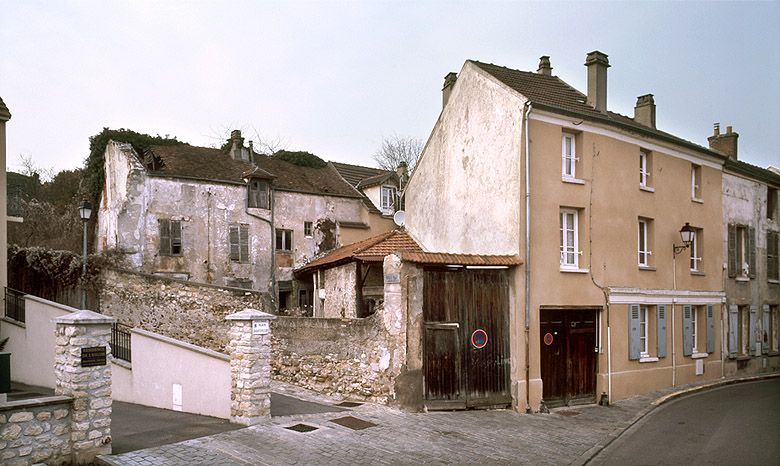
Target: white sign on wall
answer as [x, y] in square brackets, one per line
[260, 327]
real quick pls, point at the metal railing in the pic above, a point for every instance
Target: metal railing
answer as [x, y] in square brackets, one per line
[14, 304]
[120, 342]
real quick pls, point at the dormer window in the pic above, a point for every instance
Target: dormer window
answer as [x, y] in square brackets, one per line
[388, 199]
[259, 194]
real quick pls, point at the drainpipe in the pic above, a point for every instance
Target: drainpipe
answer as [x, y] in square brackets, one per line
[273, 244]
[528, 107]
[674, 300]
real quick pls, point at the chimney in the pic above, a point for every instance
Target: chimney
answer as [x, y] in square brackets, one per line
[724, 143]
[237, 145]
[449, 83]
[544, 66]
[597, 64]
[401, 171]
[644, 112]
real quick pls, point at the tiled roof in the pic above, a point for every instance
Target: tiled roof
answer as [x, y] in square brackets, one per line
[753, 171]
[459, 259]
[376, 180]
[354, 174]
[553, 94]
[5, 114]
[185, 161]
[370, 250]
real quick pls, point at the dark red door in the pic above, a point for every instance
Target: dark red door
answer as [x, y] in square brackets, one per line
[568, 356]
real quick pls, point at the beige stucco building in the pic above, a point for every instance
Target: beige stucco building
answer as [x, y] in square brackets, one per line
[593, 202]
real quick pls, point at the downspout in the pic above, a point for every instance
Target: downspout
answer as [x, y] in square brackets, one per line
[674, 300]
[273, 238]
[528, 107]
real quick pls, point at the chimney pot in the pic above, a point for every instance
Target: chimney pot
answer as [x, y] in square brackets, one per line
[644, 111]
[449, 83]
[724, 143]
[728, 130]
[237, 147]
[716, 128]
[544, 66]
[597, 63]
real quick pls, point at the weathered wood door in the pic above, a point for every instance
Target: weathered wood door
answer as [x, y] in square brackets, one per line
[568, 356]
[461, 371]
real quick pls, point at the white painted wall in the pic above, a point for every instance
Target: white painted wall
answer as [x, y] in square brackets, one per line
[32, 344]
[159, 362]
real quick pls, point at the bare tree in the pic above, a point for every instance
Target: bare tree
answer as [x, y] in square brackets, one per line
[30, 168]
[396, 149]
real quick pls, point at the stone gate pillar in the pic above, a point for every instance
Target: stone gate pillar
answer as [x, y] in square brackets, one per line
[82, 371]
[250, 366]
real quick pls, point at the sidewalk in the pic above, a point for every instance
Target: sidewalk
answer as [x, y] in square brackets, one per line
[566, 436]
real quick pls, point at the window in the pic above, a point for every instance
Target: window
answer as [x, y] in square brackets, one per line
[696, 249]
[696, 182]
[259, 194]
[742, 251]
[774, 341]
[170, 237]
[643, 332]
[307, 229]
[239, 243]
[569, 251]
[645, 168]
[698, 330]
[772, 265]
[694, 333]
[643, 245]
[283, 240]
[388, 198]
[771, 204]
[568, 156]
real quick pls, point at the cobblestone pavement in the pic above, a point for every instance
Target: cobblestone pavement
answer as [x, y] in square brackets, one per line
[565, 436]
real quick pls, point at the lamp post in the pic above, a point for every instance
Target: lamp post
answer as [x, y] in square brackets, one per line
[85, 211]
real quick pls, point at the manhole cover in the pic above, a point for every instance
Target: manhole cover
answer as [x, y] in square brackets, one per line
[301, 428]
[349, 404]
[353, 423]
[568, 413]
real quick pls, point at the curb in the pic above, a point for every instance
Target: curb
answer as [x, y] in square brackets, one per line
[612, 436]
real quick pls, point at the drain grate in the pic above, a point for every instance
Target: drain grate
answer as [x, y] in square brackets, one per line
[349, 404]
[353, 423]
[301, 428]
[568, 413]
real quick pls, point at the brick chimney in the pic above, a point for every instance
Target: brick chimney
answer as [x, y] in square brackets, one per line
[644, 111]
[724, 143]
[449, 83]
[597, 64]
[544, 66]
[237, 146]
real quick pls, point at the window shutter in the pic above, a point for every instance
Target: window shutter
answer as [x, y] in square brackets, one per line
[165, 237]
[687, 330]
[772, 269]
[243, 243]
[633, 332]
[175, 237]
[733, 329]
[732, 250]
[661, 330]
[751, 252]
[765, 330]
[710, 328]
[752, 330]
[234, 251]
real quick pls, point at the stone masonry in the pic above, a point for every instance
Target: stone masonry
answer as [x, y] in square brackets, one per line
[90, 387]
[250, 366]
[35, 431]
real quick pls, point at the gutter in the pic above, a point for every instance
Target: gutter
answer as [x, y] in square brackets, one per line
[528, 107]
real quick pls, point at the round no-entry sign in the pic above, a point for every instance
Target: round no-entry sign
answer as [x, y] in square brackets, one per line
[479, 338]
[548, 338]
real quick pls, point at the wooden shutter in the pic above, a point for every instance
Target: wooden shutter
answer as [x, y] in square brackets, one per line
[661, 331]
[765, 329]
[751, 249]
[752, 329]
[243, 243]
[165, 237]
[687, 330]
[710, 328]
[234, 240]
[772, 269]
[175, 237]
[634, 344]
[732, 259]
[733, 329]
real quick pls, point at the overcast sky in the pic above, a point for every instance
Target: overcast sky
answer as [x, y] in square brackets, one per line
[333, 78]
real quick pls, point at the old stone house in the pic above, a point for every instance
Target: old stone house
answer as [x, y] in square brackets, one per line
[751, 231]
[618, 225]
[227, 217]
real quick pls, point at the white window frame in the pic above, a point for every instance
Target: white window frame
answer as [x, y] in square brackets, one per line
[695, 259]
[308, 229]
[695, 184]
[568, 161]
[643, 353]
[694, 323]
[565, 248]
[643, 255]
[644, 175]
[388, 194]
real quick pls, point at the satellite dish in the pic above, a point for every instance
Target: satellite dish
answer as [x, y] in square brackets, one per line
[399, 218]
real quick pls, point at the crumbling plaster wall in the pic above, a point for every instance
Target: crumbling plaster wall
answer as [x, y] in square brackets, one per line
[340, 288]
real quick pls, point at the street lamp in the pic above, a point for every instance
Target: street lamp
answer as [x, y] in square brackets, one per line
[686, 234]
[85, 211]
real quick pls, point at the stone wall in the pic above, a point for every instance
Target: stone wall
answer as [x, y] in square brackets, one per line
[182, 310]
[35, 431]
[340, 286]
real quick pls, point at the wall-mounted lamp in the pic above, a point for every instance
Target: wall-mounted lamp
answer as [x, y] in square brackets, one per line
[686, 234]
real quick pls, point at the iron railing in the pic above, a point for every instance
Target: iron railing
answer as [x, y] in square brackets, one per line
[14, 304]
[120, 342]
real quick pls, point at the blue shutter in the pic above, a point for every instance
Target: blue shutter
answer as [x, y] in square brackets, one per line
[633, 332]
[733, 329]
[687, 330]
[710, 328]
[765, 330]
[661, 331]
[752, 329]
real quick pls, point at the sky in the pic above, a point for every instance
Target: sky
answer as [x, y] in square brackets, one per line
[335, 78]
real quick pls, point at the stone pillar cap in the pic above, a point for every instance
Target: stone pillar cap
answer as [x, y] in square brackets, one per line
[250, 314]
[84, 317]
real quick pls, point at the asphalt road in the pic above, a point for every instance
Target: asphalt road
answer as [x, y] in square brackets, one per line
[734, 424]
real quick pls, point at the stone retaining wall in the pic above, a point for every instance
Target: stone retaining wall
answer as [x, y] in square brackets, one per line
[187, 311]
[36, 431]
